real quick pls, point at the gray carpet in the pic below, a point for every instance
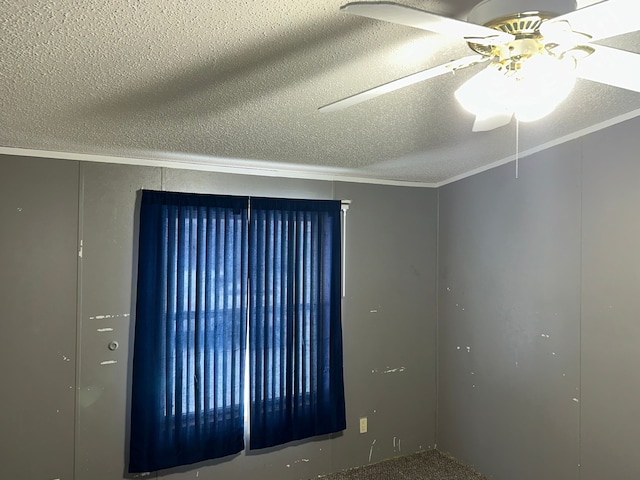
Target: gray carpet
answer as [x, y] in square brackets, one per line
[428, 465]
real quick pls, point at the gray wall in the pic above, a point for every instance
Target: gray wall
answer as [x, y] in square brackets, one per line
[68, 252]
[610, 401]
[538, 323]
[538, 294]
[389, 313]
[38, 265]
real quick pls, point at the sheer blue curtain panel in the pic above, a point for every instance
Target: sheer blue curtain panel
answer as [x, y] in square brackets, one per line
[190, 330]
[295, 339]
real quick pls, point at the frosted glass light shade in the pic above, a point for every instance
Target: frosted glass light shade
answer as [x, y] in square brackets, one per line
[531, 92]
[544, 82]
[486, 92]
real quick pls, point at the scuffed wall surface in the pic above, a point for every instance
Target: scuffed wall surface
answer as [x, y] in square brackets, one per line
[538, 313]
[38, 264]
[611, 304]
[509, 318]
[108, 230]
[389, 354]
[389, 323]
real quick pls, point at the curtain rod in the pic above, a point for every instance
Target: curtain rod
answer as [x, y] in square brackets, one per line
[344, 205]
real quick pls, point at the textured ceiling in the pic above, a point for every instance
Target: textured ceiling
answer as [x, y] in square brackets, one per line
[237, 84]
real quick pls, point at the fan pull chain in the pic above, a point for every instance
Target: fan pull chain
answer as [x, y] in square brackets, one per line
[517, 148]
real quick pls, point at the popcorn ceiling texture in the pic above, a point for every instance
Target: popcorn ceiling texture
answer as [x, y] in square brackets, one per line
[239, 83]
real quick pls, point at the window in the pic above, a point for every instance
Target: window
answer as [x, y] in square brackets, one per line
[205, 271]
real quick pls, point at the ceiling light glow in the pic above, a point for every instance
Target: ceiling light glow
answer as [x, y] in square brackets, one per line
[532, 88]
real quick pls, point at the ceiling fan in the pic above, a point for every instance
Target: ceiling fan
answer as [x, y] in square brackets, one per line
[534, 50]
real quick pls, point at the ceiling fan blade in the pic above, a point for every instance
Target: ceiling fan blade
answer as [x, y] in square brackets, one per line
[491, 121]
[611, 66]
[601, 20]
[413, 17]
[403, 82]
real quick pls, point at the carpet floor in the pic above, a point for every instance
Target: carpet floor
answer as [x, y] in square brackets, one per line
[428, 465]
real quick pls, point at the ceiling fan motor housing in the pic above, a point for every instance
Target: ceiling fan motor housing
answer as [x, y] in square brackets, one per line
[520, 18]
[488, 11]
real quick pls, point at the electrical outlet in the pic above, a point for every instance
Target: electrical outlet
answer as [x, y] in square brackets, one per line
[363, 425]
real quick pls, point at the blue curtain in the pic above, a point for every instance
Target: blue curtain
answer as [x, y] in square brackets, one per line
[295, 339]
[190, 333]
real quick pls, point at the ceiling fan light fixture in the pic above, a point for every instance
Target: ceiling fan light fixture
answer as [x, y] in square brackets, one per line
[532, 90]
[543, 83]
[484, 92]
[535, 49]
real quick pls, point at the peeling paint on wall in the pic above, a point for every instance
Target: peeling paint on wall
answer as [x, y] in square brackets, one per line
[396, 445]
[394, 370]
[371, 450]
[104, 317]
[388, 370]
